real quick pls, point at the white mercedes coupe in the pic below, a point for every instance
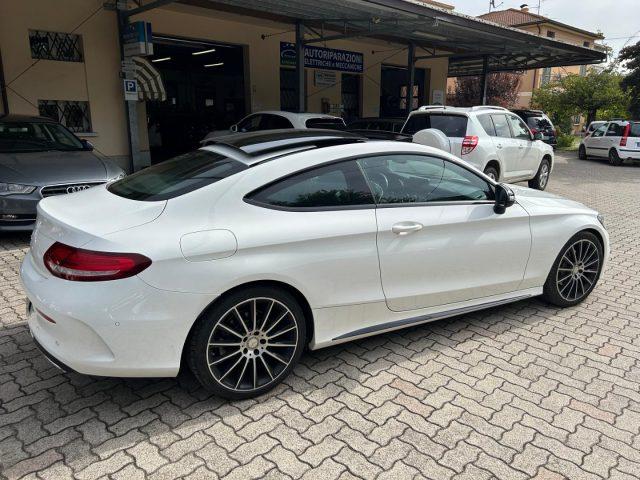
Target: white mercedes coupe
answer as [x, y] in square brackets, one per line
[233, 258]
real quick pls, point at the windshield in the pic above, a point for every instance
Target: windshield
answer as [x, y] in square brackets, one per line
[177, 176]
[16, 137]
[539, 123]
[329, 123]
[450, 125]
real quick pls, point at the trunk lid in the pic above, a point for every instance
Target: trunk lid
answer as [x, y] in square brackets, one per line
[78, 218]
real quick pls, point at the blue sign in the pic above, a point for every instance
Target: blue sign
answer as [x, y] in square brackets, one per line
[323, 58]
[138, 39]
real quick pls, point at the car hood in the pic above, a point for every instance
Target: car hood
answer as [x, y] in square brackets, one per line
[538, 201]
[51, 167]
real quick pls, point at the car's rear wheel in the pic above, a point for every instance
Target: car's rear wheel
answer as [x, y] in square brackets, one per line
[248, 343]
[541, 180]
[582, 152]
[491, 172]
[576, 270]
[614, 158]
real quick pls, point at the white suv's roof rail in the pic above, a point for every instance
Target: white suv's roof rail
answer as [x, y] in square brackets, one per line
[488, 107]
[431, 107]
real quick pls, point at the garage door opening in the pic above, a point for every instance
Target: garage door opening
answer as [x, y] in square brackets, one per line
[206, 90]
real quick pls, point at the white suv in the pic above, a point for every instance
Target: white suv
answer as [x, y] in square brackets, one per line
[492, 139]
[617, 140]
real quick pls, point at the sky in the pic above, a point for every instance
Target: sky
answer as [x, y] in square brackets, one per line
[616, 19]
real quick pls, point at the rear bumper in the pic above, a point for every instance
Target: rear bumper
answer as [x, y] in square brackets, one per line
[626, 153]
[121, 328]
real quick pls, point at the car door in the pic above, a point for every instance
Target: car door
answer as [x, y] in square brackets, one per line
[595, 142]
[611, 137]
[506, 148]
[274, 122]
[439, 239]
[527, 156]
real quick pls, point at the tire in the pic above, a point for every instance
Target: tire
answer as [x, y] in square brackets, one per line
[582, 152]
[541, 180]
[492, 172]
[569, 282]
[235, 358]
[614, 158]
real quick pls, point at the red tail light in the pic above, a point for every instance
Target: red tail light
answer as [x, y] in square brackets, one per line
[625, 135]
[80, 265]
[469, 144]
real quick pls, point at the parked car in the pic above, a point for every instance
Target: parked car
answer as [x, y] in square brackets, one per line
[492, 139]
[538, 121]
[239, 255]
[276, 119]
[40, 158]
[393, 124]
[593, 126]
[618, 141]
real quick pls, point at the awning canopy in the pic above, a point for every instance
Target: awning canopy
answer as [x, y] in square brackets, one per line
[436, 32]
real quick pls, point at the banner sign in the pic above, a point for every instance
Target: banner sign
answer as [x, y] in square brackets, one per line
[324, 58]
[138, 39]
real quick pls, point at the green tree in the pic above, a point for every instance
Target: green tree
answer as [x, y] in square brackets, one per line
[594, 95]
[630, 59]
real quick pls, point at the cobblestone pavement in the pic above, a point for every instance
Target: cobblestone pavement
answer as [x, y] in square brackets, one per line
[521, 391]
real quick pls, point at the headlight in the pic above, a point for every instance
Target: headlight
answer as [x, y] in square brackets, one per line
[15, 188]
[601, 219]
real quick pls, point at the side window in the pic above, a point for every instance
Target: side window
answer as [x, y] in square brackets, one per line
[487, 125]
[250, 124]
[615, 130]
[519, 129]
[600, 131]
[502, 127]
[274, 122]
[336, 185]
[397, 179]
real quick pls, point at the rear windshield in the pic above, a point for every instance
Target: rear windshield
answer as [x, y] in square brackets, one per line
[635, 130]
[177, 176]
[539, 123]
[329, 123]
[450, 125]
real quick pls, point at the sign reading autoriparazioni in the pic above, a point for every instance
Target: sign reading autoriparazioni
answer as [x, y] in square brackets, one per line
[324, 58]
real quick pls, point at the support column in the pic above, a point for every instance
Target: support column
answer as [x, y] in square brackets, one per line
[131, 111]
[301, 87]
[483, 80]
[411, 75]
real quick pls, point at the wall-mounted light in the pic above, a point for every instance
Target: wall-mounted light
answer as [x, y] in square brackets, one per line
[214, 64]
[204, 51]
[163, 59]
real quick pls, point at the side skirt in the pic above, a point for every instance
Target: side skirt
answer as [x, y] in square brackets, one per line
[407, 322]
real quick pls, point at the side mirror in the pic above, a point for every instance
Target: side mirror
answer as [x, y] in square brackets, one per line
[537, 136]
[233, 128]
[504, 198]
[86, 145]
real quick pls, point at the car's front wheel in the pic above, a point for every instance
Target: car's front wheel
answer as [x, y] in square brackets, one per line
[576, 270]
[540, 181]
[248, 343]
[582, 152]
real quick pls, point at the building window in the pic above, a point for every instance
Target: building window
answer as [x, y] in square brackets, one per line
[71, 113]
[576, 120]
[65, 47]
[546, 76]
[586, 44]
[551, 34]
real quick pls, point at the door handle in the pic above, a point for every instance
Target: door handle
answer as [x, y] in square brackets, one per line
[405, 228]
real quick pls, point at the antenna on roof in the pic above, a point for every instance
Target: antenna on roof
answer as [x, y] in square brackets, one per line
[492, 4]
